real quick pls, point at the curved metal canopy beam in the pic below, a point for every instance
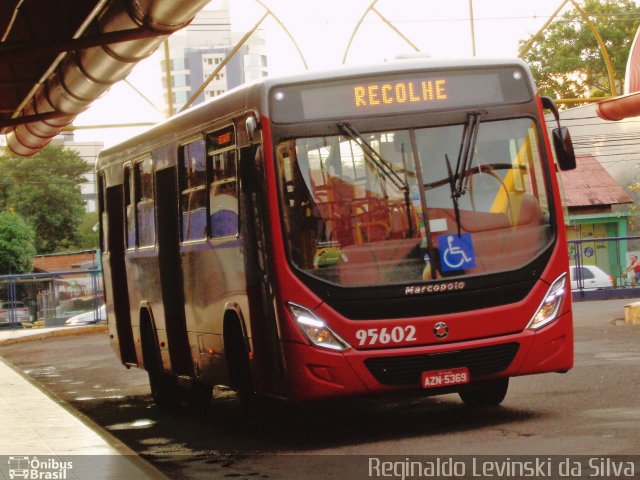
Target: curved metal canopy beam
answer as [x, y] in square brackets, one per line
[235, 49]
[602, 46]
[282, 25]
[596, 33]
[371, 8]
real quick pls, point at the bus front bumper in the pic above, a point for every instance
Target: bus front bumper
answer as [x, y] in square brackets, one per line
[314, 373]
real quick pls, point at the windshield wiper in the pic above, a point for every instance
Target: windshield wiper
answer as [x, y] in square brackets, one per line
[383, 166]
[465, 155]
[459, 180]
[454, 195]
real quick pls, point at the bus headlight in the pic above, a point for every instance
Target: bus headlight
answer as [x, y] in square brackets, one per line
[315, 329]
[548, 309]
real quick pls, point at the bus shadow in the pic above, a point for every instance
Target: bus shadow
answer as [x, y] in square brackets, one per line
[223, 434]
[353, 422]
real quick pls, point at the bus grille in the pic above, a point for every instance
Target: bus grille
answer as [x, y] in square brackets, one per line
[406, 370]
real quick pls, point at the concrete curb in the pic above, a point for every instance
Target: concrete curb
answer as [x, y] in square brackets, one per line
[27, 335]
[632, 313]
[147, 468]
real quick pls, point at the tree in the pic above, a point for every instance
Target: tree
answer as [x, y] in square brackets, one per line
[566, 60]
[45, 190]
[16, 244]
[88, 237]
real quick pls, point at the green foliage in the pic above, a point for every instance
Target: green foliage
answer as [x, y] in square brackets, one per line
[566, 60]
[45, 190]
[87, 238]
[16, 244]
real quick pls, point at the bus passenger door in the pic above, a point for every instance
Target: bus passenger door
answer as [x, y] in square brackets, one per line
[171, 272]
[268, 368]
[118, 276]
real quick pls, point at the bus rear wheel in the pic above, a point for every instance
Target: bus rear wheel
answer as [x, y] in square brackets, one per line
[489, 393]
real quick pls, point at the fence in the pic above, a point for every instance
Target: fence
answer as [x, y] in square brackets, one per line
[50, 299]
[598, 270]
[600, 267]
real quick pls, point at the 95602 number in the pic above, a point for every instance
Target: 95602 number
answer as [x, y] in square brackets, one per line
[385, 336]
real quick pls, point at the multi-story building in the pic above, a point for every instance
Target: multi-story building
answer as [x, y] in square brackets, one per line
[202, 48]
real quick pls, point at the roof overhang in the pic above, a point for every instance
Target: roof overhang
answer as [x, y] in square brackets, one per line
[56, 58]
[619, 108]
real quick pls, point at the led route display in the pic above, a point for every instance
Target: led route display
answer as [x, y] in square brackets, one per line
[398, 93]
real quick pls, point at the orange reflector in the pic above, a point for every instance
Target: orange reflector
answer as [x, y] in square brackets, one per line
[251, 356]
[211, 351]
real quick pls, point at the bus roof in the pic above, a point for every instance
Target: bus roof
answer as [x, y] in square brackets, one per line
[252, 96]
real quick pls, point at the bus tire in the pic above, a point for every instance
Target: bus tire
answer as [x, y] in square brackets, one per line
[164, 388]
[199, 394]
[489, 393]
[238, 362]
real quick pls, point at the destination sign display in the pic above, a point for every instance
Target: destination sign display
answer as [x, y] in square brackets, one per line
[398, 93]
[369, 96]
[221, 138]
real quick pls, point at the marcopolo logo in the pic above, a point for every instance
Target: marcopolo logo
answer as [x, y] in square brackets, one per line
[38, 469]
[434, 288]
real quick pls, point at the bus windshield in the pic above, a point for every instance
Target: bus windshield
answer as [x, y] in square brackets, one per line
[406, 206]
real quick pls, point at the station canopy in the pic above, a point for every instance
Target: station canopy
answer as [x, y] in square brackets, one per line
[57, 57]
[627, 105]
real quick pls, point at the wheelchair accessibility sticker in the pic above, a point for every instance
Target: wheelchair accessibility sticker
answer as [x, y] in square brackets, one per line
[456, 252]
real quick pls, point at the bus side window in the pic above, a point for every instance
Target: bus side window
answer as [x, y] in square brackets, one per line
[193, 191]
[145, 203]
[224, 195]
[223, 190]
[129, 209]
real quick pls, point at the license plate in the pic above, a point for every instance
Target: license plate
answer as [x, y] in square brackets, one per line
[445, 378]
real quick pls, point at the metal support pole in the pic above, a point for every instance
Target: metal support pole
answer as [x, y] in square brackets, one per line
[167, 73]
[473, 31]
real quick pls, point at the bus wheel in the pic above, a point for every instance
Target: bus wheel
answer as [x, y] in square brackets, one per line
[199, 395]
[238, 361]
[164, 389]
[489, 393]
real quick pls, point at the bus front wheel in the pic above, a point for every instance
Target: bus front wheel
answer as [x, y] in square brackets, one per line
[238, 362]
[489, 393]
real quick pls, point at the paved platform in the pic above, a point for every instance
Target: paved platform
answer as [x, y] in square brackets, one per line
[43, 437]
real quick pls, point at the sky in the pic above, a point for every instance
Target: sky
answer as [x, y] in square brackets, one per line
[322, 28]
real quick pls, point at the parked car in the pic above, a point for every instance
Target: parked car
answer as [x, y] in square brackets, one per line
[92, 316]
[21, 312]
[591, 278]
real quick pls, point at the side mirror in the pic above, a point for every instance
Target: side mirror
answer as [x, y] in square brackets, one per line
[562, 144]
[251, 124]
[563, 147]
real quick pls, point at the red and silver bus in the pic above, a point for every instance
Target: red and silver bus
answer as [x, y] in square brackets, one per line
[353, 232]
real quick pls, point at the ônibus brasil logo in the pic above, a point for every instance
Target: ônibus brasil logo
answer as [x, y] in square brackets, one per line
[37, 469]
